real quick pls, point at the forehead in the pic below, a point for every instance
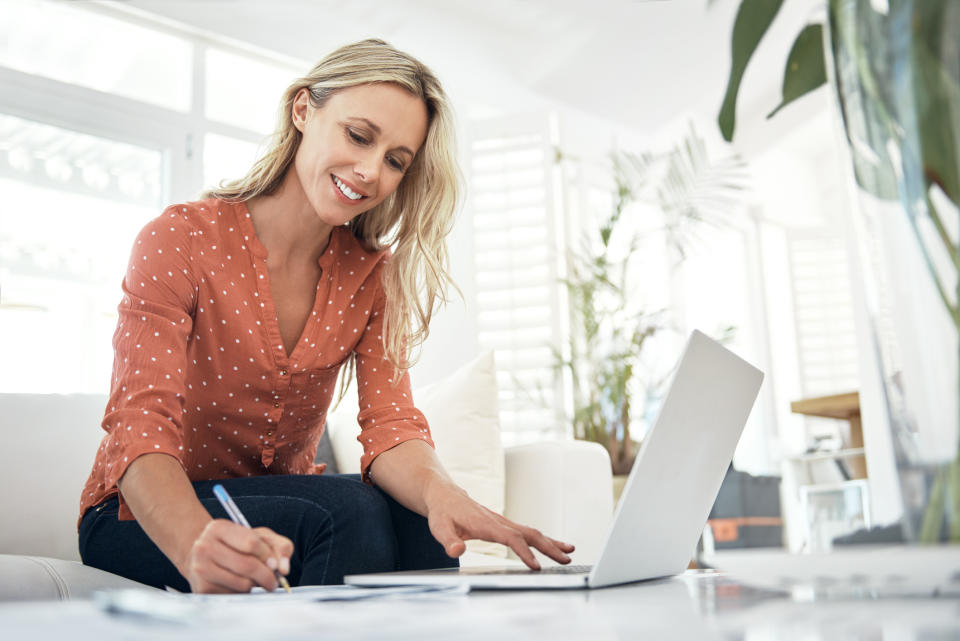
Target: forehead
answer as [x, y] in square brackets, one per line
[400, 115]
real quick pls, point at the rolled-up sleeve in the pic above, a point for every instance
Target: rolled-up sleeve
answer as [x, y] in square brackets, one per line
[145, 409]
[387, 415]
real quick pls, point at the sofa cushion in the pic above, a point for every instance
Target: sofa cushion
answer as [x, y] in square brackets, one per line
[51, 440]
[38, 578]
[464, 424]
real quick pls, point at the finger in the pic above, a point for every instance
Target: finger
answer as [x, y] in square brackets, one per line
[243, 540]
[500, 530]
[515, 540]
[247, 567]
[282, 547]
[241, 551]
[445, 532]
[209, 576]
[545, 544]
[223, 580]
[566, 547]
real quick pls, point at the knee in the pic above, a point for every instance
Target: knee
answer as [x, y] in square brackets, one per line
[369, 511]
[365, 527]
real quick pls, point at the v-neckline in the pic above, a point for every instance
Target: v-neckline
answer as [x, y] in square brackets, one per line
[259, 256]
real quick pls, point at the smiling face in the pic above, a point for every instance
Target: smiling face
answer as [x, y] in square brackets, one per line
[356, 148]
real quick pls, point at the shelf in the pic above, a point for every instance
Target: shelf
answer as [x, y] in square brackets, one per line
[828, 456]
[843, 406]
[846, 407]
[817, 488]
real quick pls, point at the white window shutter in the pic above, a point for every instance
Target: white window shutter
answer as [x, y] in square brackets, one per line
[516, 224]
[826, 334]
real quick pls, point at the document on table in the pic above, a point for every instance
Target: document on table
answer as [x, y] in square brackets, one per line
[177, 607]
[405, 616]
[330, 593]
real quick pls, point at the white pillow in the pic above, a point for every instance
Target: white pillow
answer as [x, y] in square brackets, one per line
[463, 416]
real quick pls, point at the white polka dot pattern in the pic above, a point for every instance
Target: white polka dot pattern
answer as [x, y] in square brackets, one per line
[200, 371]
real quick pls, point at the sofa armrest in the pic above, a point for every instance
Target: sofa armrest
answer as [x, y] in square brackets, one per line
[565, 490]
[38, 578]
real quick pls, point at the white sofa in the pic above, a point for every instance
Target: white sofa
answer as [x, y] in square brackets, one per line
[562, 488]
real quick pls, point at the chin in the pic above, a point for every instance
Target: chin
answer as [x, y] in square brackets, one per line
[337, 221]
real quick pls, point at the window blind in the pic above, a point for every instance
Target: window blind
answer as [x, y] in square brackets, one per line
[826, 334]
[515, 216]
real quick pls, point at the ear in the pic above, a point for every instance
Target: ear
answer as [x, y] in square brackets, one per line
[298, 113]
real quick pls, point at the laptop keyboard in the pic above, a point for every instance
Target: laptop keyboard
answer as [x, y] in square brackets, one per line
[553, 569]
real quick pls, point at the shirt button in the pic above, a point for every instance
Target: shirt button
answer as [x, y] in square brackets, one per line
[276, 403]
[283, 372]
[269, 433]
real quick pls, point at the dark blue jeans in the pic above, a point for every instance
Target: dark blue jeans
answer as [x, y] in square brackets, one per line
[338, 526]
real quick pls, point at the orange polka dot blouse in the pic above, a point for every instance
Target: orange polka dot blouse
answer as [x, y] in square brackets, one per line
[200, 371]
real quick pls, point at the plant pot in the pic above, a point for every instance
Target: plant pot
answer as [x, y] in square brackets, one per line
[896, 77]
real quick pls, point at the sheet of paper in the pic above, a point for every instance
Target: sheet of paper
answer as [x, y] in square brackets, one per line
[328, 593]
[176, 607]
[412, 618]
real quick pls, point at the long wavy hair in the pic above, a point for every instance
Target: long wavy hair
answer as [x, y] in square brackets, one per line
[414, 221]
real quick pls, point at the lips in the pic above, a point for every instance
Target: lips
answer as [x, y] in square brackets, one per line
[347, 190]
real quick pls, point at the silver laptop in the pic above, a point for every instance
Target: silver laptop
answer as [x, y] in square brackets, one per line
[668, 495]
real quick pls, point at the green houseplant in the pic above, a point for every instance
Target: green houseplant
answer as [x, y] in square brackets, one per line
[608, 330]
[894, 66]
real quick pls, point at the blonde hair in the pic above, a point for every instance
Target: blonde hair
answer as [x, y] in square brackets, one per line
[414, 220]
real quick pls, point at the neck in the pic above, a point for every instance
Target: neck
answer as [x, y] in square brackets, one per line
[287, 226]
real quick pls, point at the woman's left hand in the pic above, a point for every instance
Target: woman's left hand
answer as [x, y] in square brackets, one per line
[454, 518]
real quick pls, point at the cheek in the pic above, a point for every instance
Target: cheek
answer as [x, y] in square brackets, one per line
[392, 183]
[310, 166]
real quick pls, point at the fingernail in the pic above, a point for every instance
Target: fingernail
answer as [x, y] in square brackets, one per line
[272, 563]
[285, 565]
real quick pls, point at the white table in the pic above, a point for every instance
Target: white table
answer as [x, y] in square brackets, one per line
[688, 607]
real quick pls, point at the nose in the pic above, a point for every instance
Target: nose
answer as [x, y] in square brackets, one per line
[367, 168]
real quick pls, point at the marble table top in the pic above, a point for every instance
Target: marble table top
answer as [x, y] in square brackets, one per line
[697, 605]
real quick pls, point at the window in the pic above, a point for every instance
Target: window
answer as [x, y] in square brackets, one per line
[228, 98]
[78, 46]
[73, 205]
[81, 174]
[826, 335]
[511, 179]
[226, 158]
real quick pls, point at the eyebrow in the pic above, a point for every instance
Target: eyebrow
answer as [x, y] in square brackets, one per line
[377, 131]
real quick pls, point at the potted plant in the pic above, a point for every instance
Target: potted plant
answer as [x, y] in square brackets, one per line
[609, 331]
[894, 66]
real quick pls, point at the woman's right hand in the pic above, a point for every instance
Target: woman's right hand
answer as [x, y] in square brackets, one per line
[214, 555]
[227, 557]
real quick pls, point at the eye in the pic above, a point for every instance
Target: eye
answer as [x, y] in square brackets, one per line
[357, 138]
[396, 164]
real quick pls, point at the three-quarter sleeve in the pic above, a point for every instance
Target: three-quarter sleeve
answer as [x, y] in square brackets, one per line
[387, 415]
[145, 408]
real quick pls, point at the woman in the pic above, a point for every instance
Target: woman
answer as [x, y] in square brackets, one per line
[238, 312]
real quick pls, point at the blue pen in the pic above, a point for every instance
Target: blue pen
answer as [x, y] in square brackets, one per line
[237, 517]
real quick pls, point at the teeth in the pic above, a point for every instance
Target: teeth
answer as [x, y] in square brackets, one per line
[349, 193]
